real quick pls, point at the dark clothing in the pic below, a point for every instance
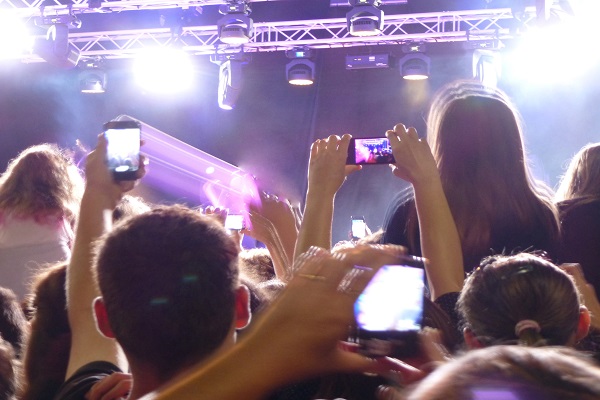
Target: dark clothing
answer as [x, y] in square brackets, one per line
[506, 236]
[581, 238]
[76, 387]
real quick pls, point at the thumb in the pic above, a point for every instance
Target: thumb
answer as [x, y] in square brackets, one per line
[349, 169]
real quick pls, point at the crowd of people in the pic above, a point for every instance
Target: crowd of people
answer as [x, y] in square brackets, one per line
[104, 296]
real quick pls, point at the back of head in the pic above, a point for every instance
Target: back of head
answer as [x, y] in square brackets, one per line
[513, 372]
[13, 324]
[168, 279]
[47, 351]
[476, 138]
[257, 264]
[505, 291]
[41, 181]
[582, 179]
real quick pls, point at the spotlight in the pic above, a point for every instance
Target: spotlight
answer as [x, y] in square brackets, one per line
[300, 71]
[415, 67]
[55, 47]
[365, 19]
[92, 78]
[230, 83]
[487, 66]
[236, 27]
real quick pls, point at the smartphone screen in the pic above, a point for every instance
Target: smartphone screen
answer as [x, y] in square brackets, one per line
[359, 228]
[123, 152]
[374, 150]
[234, 222]
[389, 312]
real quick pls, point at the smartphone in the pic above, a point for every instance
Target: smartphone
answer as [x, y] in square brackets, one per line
[389, 312]
[234, 222]
[123, 152]
[359, 227]
[372, 150]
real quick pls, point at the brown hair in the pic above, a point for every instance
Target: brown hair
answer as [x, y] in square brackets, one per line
[42, 182]
[475, 135]
[513, 372]
[581, 181]
[47, 351]
[506, 290]
[168, 278]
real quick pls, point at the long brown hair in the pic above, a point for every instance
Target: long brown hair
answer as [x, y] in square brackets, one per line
[581, 181]
[476, 138]
[42, 181]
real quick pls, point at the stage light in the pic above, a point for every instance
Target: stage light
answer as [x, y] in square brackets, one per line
[415, 67]
[365, 19]
[55, 47]
[300, 71]
[15, 40]
[235, 27]
[164, 70]
[487, 66]
[92, 78]
[230, 83]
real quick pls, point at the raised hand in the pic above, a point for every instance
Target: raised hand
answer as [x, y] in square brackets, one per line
[414, 160]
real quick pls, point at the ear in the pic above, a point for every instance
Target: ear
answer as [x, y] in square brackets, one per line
[102, 318]
[242, 307]
[471, 340]
[583, 326]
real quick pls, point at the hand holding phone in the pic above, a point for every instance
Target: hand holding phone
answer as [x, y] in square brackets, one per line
[123, 151]
[366, 151]
[389, 311]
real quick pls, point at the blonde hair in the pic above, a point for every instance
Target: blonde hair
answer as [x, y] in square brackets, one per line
[581, 181]
[41, 182]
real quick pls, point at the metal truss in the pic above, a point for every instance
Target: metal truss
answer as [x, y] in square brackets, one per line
[452, 26]
[33, 8]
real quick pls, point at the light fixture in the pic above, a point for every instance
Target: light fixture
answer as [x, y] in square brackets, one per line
[55, 47]
[487, 66]
[365, 19]
[92, 78]
[235, 27]
[230, 83]
[300, 70]
[415, 67]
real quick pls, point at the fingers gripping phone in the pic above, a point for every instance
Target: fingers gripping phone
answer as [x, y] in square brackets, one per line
[123, 151]
[373, 150]
[389, 312]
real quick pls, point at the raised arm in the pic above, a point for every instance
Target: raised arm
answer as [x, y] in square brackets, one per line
[274, 223]
[327, 171]
[440, 242]
[100, 197]
[296, 328]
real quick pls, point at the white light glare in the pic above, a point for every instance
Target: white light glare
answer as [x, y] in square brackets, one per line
[164, 70]
[558, 53]
[15, 40]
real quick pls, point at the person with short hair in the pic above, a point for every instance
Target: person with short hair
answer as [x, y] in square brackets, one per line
[168, 280]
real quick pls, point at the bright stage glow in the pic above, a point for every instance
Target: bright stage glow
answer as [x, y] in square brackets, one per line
[560, 53]
[14, 37]
[164, 70]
